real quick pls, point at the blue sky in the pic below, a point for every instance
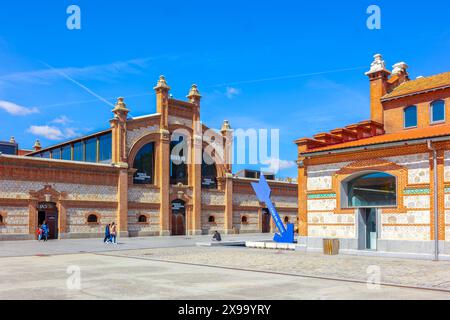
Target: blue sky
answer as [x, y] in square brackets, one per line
[242, 55]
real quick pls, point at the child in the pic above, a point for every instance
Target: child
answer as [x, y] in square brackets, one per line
[39, 233]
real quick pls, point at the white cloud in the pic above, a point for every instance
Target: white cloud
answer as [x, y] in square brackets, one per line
[62, 120]
[232, 92]
[15, 109]
[53, 133]
[275, 165]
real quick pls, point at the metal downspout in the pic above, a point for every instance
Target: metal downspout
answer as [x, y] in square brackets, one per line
[435, 200]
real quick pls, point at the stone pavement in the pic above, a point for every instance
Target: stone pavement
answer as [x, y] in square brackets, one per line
[174, 268]
[116, 277]
[407, 272]
[70, 246]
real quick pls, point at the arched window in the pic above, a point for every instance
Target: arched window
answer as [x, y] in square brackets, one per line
[92, 218]
[286, 219]
[211, 219]
[178, 160]
[410, 117]
[244, 220]
[142, 219]
[209, 172]
[372, 190]
[1, 219]
[144, 163]
[437, 111]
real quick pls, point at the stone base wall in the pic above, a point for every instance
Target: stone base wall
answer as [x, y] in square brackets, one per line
[77, 220]
[217, 225]
[252, 224]
[140, 229]
[15, 220]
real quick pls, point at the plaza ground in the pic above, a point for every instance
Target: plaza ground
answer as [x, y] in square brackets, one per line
[174, 268]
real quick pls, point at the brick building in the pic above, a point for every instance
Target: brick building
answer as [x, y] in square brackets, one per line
[383, 184]
[127, 174]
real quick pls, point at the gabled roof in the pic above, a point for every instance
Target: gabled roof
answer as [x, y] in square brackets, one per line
[420, 85]
[406, 135]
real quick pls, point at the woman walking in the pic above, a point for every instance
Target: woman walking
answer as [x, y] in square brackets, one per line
[113, 232]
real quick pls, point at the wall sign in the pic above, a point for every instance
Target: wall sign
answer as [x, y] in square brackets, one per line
[43, 206]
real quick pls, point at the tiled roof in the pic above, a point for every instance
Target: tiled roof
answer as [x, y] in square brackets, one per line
[420, 85]
[410, 134]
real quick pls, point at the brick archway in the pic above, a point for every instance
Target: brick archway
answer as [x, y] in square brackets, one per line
[357, 168]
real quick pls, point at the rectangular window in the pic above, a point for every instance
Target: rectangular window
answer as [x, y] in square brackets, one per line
[91, 150]
[56, 154]
[78, 151]
[105, 148]
[66, 152]
[410, 117]
[437, 111]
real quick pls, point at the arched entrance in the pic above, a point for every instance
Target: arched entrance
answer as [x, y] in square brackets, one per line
[265, 220]
[178, 217]
[48, 212]
[368, 192]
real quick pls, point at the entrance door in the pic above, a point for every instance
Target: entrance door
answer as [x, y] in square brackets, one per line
[265, 221]
[178, 218]
[367, 226]
[49, 213]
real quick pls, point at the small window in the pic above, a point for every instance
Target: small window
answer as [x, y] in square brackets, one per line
[1, 219]
[211, 219]
[244, 220]
[92, 218]
[286, 219]
[142, 219]
[437, 111]
[410, 117]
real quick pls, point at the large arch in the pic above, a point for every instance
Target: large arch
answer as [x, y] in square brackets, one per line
[360, 168]
[138, 145]
[369, 189]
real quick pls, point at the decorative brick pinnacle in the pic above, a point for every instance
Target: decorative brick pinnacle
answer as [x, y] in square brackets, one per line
[226, 126]
[194, 93]
[120, 106]
[162, 84]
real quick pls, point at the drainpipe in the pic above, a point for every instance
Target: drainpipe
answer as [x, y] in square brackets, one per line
[435, 201]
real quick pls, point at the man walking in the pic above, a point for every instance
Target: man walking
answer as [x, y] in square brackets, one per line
[107, 234]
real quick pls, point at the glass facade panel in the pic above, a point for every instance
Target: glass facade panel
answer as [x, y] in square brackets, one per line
[410, 117]
[105, 148]
[144, 163]
[78, 151]
[209, 172]
[178, 167]
[46, 155]
[438, 111]
[66, 153]
[56, 154]
[91, 150]
[7, 148]
[372, 190]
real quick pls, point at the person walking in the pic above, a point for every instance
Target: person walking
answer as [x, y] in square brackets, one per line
[107, 234]
[45, 231]
[113, 232]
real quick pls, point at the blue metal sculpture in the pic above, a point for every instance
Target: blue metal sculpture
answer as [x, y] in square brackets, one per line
[263, 191]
